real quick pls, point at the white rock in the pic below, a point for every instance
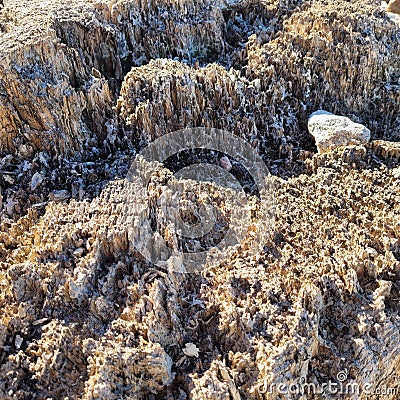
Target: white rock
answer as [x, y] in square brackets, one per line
[18, 341]
[36, 181]
[8, 179]
[191, 350]
[395, 173]
[78, 252]
[331, 131]
[77, 288]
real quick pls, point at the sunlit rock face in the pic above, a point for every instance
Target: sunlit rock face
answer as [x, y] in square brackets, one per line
[393, 6]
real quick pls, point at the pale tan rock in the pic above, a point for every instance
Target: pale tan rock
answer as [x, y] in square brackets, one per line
[393, 6]
[388, 150]
[116, 370]
[332, 131]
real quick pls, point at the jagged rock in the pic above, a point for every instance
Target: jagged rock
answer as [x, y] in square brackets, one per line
[50, 111]
[36, 181]
[325, 264]
[387, 150]
[126, 366]
[332, 131]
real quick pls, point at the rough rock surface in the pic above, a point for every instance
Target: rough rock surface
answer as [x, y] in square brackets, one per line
[394, 6]
[332, 131]
[83, 86]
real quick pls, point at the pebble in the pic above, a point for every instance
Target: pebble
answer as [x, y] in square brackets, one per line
[191, 350]
[18, 341]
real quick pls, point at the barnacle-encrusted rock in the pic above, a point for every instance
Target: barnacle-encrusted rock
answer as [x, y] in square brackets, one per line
[89, 44]
[331, 131]
[83, 86]
[127, 366]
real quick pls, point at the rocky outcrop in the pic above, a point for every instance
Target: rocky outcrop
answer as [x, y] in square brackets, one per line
[277, 64]
[60, 74]
[81, 83]
[83, 314]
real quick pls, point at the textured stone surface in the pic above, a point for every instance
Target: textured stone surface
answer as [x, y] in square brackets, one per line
[331, 131]
[320, 299]
[83, 86]
[394, 6]
[275, 66]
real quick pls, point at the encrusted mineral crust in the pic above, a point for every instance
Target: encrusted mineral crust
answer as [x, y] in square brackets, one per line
[84, 85]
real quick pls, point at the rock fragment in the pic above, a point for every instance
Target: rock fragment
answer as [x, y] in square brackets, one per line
[18, 341]
[393, 6]
[191, 350]
[59, 195]
[36, 181]
[331, 131]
